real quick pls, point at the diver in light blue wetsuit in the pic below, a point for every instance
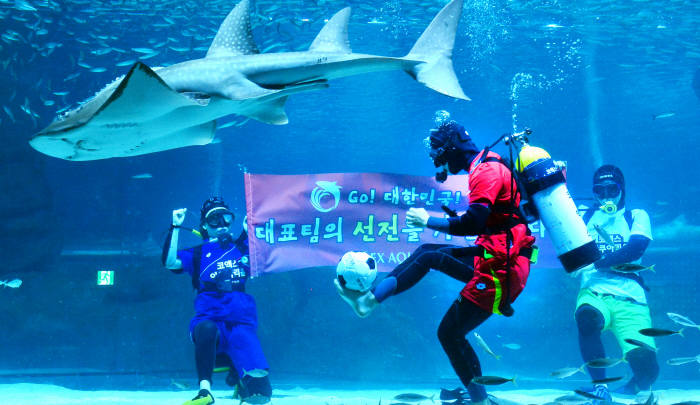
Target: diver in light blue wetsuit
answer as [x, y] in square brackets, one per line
[225, 319]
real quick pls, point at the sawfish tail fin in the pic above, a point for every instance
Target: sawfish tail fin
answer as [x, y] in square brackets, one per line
[434, 50]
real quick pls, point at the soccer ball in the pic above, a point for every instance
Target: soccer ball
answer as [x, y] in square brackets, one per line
[356, 271]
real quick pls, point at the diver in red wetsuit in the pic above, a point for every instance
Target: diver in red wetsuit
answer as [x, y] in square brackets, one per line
[495, 269]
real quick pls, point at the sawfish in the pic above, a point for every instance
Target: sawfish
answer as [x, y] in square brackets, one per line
[155, 109]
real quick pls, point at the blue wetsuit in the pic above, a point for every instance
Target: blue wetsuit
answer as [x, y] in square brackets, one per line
[221, 298]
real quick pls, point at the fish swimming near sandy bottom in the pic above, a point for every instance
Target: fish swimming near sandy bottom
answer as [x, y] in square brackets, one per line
[152, 110]
[411, 397]
[606, 380]
[566, 372]
[492, 380]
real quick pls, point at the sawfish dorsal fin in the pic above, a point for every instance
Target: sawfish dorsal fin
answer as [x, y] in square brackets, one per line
[235, 36]
[334, 35]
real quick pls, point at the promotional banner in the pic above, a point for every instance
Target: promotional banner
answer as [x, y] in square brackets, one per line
[310, 220]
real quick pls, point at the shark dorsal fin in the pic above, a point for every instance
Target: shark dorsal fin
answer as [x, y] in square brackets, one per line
[235, 36]
[334, 35]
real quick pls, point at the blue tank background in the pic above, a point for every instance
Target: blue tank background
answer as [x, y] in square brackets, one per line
[621, 64]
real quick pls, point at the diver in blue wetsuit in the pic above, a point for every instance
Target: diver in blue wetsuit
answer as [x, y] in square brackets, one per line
[225, 319]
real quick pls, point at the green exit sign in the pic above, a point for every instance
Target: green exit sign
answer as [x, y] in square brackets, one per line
[105, 277]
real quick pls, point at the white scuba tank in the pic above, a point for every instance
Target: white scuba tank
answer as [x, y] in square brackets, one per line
[545, 184]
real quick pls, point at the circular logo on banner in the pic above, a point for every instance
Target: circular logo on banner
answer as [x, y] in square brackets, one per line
[323, 193]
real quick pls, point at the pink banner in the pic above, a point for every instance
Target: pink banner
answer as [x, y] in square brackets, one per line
[310, 220]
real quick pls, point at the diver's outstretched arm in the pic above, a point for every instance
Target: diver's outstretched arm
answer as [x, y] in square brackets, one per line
[169, 258]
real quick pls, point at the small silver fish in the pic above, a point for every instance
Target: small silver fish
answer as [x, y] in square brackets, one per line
[606, 380]
[16, 283]
[149, 55]
[178, 385]
[566, 372]
[631, 268]
[511, 346]
[604, 234]
[142, 176]
[641, 344]
[664, 115]
[485, 347]
[683, 360]
[654, 332]
[255, 373]
[181, 49]
[492, 380]
[682, 320]
[71, 76]
[411, 397]
[603, 363]
[22, 5]
[142, 50]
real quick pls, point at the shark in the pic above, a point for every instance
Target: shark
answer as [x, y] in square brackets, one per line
[150, 110]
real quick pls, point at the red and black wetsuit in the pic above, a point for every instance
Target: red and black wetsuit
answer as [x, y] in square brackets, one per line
[490, 184]
[493, 274]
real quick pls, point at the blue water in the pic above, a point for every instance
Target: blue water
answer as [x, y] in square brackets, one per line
[589, 78]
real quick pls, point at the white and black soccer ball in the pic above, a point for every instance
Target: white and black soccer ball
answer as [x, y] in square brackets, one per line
[356, 271]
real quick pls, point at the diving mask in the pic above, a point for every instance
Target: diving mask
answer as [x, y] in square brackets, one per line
[606, 190]
[219, 217]
[438, 154]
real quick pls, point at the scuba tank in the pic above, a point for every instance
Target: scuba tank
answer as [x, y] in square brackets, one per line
[544, 196]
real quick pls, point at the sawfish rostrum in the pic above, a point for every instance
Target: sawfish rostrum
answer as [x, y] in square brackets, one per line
[156, 109]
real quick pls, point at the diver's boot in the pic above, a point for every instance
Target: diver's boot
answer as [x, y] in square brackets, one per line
[362, 302]
[203, 397]
[602, 392]
[254, 390]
